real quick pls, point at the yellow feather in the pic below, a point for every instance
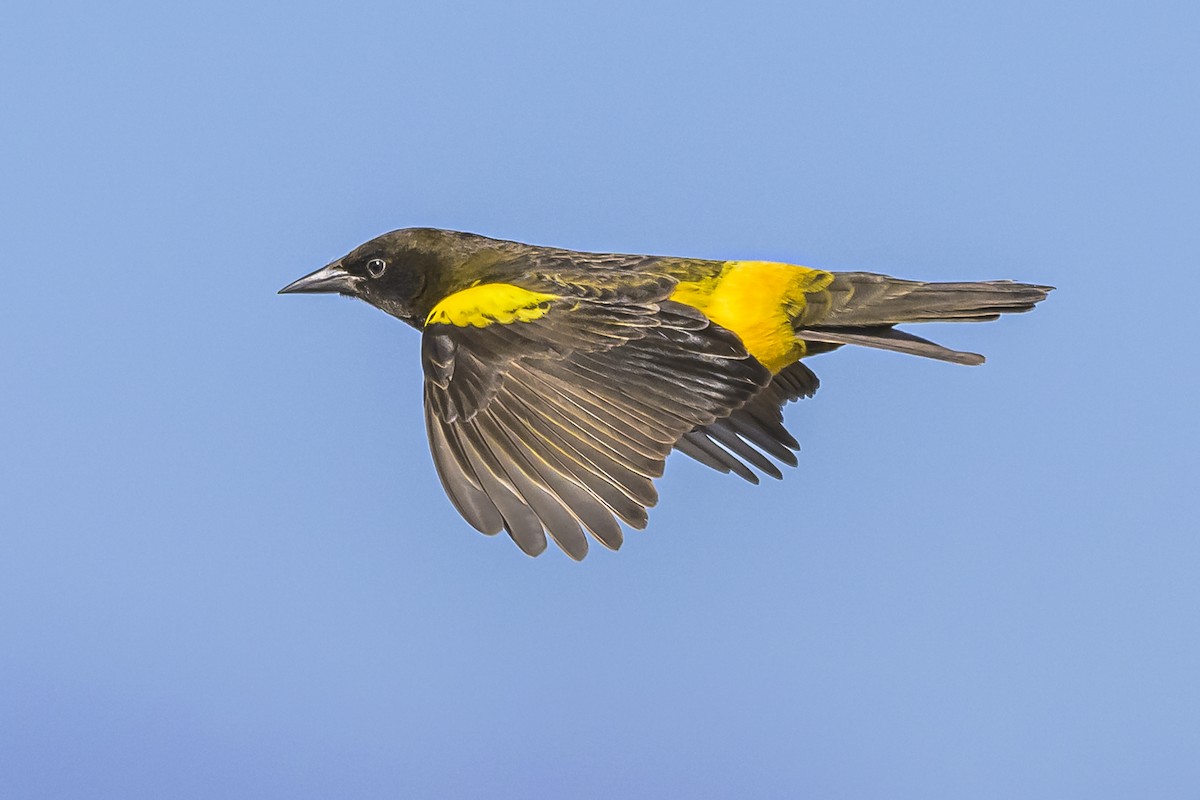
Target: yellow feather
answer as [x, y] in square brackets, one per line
[757, 300]
[488, 303]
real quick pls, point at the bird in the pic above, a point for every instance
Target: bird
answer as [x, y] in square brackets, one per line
[557, 382]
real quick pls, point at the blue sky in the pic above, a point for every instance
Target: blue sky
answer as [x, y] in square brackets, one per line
[227, 568]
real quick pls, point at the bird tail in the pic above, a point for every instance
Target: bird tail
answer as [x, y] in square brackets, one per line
[861, 308]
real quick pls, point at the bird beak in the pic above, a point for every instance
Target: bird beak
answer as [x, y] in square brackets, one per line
[328, 279]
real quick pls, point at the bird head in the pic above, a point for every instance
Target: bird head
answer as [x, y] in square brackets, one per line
[391, 272]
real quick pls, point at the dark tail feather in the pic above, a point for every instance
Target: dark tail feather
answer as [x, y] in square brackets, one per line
[861, 307]
[857, 299]
[885, 338]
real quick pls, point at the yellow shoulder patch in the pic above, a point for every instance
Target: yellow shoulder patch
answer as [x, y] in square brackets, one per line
[488, 303]
[757, 300]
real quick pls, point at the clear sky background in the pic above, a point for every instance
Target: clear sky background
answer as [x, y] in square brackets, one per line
[227, 568]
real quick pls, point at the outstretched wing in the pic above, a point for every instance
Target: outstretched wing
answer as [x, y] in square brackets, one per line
[551, 414]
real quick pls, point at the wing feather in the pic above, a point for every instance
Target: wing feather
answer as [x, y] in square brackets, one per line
[459, 480]
[586, 506]
[520, 520]
[728, 444]
[559, 521]
[699, 446]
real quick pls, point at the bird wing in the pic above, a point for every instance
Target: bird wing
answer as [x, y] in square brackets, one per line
[553, 414]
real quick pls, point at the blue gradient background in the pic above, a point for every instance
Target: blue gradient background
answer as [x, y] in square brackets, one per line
[227, 568]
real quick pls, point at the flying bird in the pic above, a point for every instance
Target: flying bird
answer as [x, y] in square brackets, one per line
[556, 382]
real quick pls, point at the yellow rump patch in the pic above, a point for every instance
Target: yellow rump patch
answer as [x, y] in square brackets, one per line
[757, 300]
[487, 303]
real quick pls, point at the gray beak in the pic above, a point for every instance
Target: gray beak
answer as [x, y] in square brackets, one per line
[326, 280]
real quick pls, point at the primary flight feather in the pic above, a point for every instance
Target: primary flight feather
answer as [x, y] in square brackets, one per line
[557, 382]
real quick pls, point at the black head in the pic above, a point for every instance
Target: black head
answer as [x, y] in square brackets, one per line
[391, 272]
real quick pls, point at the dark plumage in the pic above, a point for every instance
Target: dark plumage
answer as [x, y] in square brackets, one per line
[557, 382]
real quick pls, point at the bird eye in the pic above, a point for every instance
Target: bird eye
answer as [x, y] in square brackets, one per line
[376, 266]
